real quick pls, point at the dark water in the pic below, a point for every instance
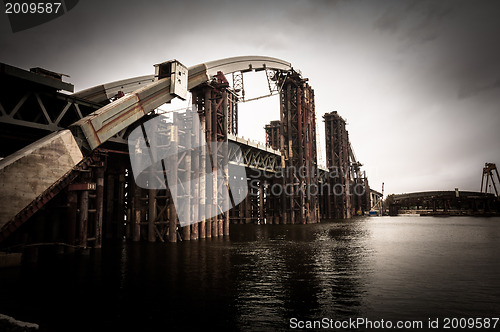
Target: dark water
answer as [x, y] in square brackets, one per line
[391, 268]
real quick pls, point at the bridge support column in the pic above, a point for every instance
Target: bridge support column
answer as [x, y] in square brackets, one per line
[110, 204]
[83, 218]
[185, 131]
[261, 202]
[218, 116]
[152, 191]
[172, 165]
[215, 162]
[151, 214]
[136, 212]
[71, 218]
[248, 206]
[120, 205]
[208, 162]
[224, 167]
[338, 163]
[195, 172]
[298, 148]
[199, 106]
[99, 204]
[241, 212]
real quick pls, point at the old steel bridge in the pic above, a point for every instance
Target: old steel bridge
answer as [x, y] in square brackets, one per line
[66, 175]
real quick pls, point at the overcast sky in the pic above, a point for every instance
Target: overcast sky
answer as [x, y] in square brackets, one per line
[417, 81]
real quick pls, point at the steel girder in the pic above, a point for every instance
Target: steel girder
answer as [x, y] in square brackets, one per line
[273, 135]
[254, 157]
[337, 156]
[298, 150]
[102, 93]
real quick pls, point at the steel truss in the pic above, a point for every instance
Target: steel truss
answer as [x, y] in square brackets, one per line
[48, 111]
[338, 163]
[298, 148]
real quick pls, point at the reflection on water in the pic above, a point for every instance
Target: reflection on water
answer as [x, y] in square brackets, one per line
[381, 268]
[294, 271]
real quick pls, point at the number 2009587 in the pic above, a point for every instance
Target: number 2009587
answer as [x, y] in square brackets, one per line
[32, 8]
[475, 323]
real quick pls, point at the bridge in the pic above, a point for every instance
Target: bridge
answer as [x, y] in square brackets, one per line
[66, 175]
[444, 203]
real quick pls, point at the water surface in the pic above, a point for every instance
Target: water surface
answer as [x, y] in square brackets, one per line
[391, 268]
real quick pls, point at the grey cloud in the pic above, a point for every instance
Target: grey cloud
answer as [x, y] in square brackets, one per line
[431, 15]
[388, 22]
[415, 21]
[391, 20]
[470, 91]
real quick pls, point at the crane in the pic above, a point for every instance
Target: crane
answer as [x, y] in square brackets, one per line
[488, 172]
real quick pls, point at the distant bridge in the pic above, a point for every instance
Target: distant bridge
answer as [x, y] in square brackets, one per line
[444, 203]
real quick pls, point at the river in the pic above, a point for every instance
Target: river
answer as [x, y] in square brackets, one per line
[270, 278]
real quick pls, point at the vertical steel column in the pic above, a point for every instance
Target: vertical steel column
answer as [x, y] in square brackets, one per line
[218, 116]
[273, 135]
[227, 124]
[261, 202]
[300, 162]
[367, 205]
[195, 180]
[291, 169]
[338, 162]
[312, 158]
[120, 203]
[71, 214]
[153, 142]
[334, 161]
[327, 192]
[83, 217]
[248, 206]
[128, 196]
[278, 215]
[186, 199]
[203, 164]
[55, 225]
[299, 159]
[208, 163]
[110, 204]
[241, 212]
[151, 214]
[173, 166]
[136, 208]
[238, 93]
[99, 204]
[215, 159]
[198, 163]
[268, 205]
[254, 199]
[347, 180]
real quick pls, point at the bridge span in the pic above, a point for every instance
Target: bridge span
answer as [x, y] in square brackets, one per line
[67, 177]
[454, 202]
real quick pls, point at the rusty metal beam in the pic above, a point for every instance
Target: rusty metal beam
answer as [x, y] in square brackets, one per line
[197, 75]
